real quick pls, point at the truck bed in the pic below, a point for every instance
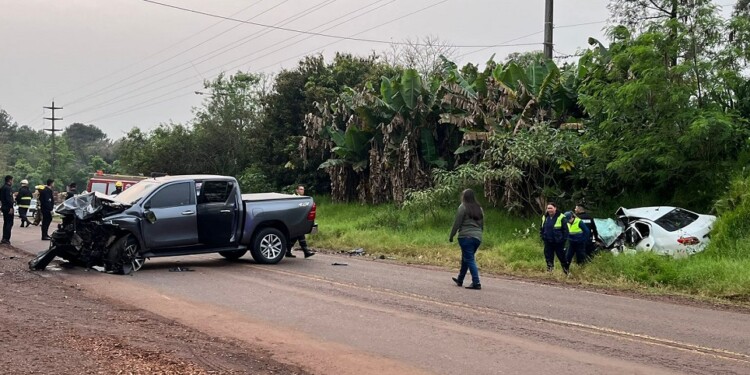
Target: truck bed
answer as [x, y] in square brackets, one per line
[267, 197]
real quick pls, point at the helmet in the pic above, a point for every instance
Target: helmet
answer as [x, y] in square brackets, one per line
[40, 187]
[24, 182]
[118, 184]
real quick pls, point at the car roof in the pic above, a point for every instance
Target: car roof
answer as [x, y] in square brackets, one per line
[650, 213]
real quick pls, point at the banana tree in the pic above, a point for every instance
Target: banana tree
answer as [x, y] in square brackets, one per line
[384, 140]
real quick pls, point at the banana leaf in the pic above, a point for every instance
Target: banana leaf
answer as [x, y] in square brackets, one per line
[411, 87]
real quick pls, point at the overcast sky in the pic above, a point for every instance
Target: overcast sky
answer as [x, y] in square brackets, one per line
[119, 64]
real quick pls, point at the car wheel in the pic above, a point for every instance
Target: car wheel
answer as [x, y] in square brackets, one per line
[269, 246]
[233, 254]
[123, 257]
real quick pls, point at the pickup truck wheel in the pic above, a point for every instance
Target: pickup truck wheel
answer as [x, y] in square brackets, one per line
[269, 246]
[233, 254]
[123, 257]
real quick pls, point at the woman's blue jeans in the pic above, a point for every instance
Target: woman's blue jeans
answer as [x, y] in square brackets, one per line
[469, 246]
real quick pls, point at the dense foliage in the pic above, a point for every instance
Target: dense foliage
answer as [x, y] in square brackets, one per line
[659, 111]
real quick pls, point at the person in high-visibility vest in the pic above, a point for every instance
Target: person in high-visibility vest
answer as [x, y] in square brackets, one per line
[554, 232]
[38, 212]
[578, 235]
[23, 200]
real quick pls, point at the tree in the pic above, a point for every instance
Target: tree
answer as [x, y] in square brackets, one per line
[422, 54]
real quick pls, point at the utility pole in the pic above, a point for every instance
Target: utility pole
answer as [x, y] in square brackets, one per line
[548, 29]
[53, 130]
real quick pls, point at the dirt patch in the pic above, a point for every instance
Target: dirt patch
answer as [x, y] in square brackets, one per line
[48, 327]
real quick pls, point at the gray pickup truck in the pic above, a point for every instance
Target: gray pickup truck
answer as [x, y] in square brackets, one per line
[176, 215]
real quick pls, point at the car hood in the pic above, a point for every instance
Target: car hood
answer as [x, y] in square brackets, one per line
[650, 213]
[87, 205]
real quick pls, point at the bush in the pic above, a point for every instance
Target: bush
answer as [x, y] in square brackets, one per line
[731, 234]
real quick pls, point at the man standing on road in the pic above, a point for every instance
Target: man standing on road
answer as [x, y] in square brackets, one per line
[23, 200]
[299, 191]
[6, 206]
[47, 203]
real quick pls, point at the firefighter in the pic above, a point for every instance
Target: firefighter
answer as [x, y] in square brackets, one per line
[23, 200]
[118, 188]
[38, 209]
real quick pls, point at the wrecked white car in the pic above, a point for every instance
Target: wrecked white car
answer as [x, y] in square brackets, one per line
[665, 230]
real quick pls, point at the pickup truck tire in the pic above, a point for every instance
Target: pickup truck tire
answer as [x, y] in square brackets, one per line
[269, 246]
[233, 254]
[123, 257]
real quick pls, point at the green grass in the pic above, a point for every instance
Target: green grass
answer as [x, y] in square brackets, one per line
[511, 246]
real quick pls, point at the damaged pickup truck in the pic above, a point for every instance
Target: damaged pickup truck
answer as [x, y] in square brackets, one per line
[176, 215]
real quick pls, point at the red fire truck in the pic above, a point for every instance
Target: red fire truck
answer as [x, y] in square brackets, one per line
[105, 183]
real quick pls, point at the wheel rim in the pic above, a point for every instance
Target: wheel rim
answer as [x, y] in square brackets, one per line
[270, 246]
[136, 261]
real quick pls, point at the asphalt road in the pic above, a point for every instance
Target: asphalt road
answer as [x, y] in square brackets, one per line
[376, 317]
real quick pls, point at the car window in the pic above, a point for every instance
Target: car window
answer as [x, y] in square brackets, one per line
[676, 219]
[216, 191]
[100, 187]
[172, 196]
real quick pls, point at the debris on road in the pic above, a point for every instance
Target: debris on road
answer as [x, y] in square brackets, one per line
[339, 264]
[359, 251]
[181, 269]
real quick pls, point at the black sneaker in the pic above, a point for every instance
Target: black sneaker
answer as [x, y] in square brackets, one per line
[290, 255]
[457, 281]
[309, 253]
[45, 238]
[474, 286]
[5, 242]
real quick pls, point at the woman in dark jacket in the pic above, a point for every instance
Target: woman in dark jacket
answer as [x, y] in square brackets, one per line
[554, 232]
[469, 223]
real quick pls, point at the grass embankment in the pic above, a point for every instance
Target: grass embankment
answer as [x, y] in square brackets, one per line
[511, 246]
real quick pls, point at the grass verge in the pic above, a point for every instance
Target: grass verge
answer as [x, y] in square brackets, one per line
[511, 246]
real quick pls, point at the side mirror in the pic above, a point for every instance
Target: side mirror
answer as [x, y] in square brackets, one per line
[150, 216]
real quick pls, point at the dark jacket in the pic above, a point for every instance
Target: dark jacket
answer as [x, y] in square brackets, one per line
[589, 221]
[24, 192]
[46, 199]
[6, 198]
[549, 233]
[72, 192]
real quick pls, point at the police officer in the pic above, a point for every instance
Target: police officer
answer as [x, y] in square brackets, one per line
[23, 200]
[299, 191]
[578, 235]
[6, 206]
[554, 232]
[587, 219]
[47, 203]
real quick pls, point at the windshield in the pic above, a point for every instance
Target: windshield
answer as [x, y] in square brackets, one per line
[676, 219]
[134, 193]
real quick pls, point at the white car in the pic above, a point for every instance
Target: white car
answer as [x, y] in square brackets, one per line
[29, 213]
[665, 230]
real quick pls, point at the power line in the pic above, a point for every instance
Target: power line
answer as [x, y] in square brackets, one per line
[109, 89]
[506, 43]
[341, 37]
[189, 65]
[317, 27]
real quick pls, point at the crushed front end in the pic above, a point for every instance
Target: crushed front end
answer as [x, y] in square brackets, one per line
[84, 237]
